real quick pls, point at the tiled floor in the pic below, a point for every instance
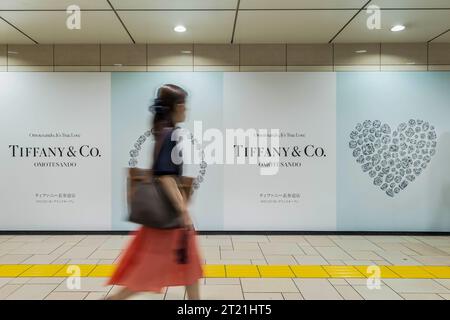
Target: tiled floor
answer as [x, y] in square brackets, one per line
[239, 267]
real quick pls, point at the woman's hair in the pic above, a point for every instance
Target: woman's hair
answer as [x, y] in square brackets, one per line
[167, 97]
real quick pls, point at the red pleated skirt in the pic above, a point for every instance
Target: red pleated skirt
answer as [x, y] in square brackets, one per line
[151, 263]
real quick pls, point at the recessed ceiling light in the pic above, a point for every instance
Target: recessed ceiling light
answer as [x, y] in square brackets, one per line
[360, 51]
[397, 28]
[186, 51]
[180, 28]
[13, 52]
[117, 64]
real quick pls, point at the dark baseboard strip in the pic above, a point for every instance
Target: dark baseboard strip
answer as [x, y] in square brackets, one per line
[210, 232]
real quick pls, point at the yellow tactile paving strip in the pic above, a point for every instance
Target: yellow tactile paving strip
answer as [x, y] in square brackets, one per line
[239, 271]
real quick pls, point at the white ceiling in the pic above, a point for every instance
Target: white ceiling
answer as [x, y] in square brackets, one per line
[289, 26]
[421, 26]
[213, 21]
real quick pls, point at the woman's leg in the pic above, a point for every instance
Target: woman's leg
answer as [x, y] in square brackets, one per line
[121, 295]
[193, 291]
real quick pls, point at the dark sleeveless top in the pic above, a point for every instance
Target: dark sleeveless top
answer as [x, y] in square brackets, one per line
[163, 164]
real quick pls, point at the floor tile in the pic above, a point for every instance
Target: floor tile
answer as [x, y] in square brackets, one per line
[348, 292]
[221, 292]
[147, 296]
[4, 281]
[268, 285]
[415, 286]
[384, 293]
[210, 253]
[424, 249]
[105, 254]
[13, 258]
[249, 238]
[45, 280]
[338, 282]
[333, 253]
[246, 246]
[280, 259]
[86, 284]
[336, 262]
[310, 251]
[37, 248]
[41, 259]
[19, 280]
[67, 296]
[317, 289]
[259, 262]
[230, 261]
[79, 252]
[232, 254]
[106, 261]
[320, 241]
[357, 281]
[355, 262]
[433, 260]
[310, 260]
[280, 248]
[223, 281]
[364, 245]
[8, 289]
[446, 296]
[292, 296]
[444, 282]
[263, 296]
[421, 296]
[363, 255]
[397, 258]
[32, 292]
[287, 238]
[214, 242]
[95, 296]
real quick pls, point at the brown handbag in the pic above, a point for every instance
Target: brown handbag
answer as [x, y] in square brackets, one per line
[148, 203]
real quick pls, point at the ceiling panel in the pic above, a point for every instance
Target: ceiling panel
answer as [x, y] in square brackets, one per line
[50, 27]
[444, 38]
[52, 4]
[174, 4]
[397, 4]
[289, 26]
[302, 4]
[157, 27]
[9, 35]
[421, 26]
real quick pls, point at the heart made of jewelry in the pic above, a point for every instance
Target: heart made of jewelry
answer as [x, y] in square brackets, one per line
[393, 158]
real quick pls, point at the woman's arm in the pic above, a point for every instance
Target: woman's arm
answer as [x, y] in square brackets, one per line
[173, 192]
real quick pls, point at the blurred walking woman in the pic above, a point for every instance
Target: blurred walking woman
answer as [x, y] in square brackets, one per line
[157, 258]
